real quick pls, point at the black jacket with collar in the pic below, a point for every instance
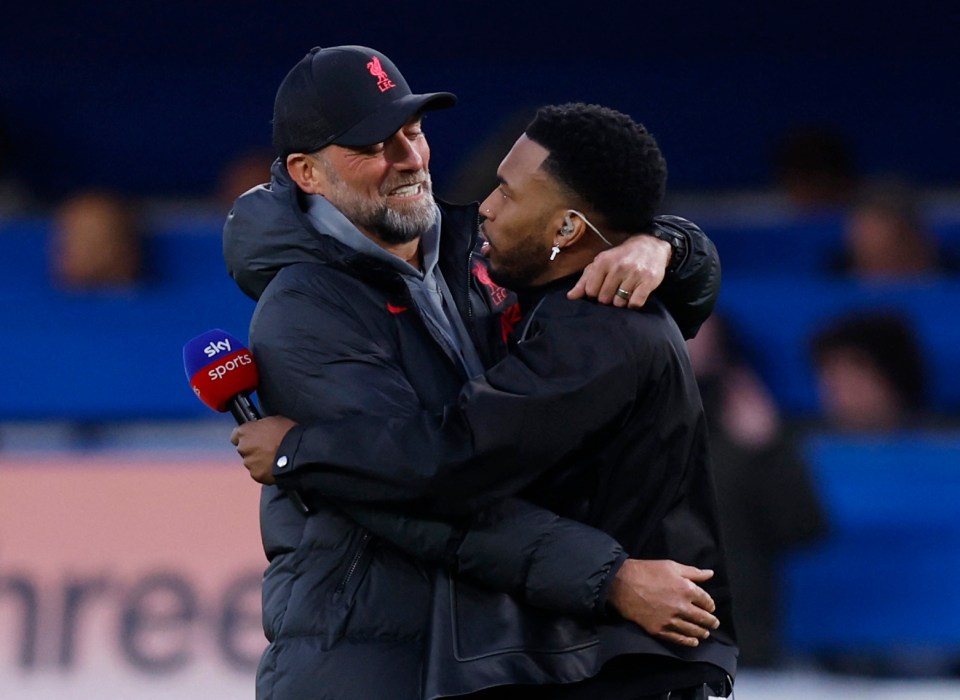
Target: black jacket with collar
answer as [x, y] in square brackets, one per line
[335, 334]
[596, 416]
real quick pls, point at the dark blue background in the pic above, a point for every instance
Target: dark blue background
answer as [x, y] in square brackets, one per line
[153, 98]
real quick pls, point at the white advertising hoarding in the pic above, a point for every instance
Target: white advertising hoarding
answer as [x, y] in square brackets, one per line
[128, 576]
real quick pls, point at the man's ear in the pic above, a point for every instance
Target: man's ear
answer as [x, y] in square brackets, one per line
[304, 171]
[570, 230]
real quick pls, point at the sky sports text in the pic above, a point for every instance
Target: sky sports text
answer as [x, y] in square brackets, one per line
[221, 370]
[216, 347]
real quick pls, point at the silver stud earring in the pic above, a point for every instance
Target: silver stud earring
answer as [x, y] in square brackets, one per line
[554, 252]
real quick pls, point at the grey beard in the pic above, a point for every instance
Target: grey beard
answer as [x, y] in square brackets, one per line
[392, 227]
[389, 225]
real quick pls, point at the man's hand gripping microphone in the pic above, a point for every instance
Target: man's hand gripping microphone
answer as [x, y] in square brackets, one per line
[223, 374]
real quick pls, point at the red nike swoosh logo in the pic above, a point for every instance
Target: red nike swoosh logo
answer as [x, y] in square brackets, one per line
[395, 309]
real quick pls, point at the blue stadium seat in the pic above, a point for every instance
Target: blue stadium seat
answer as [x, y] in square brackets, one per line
[24, 245]
[882, 583]
[186, 250]
[113, 355]
[776, 316]
[800, 244]
[110, 356]
[807, 245]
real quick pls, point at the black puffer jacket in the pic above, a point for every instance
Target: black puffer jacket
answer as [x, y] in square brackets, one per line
[335, 334]
[595, 415]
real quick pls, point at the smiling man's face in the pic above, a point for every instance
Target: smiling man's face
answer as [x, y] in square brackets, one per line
[384, 189]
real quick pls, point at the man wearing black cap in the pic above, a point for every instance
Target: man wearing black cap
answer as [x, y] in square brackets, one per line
[370, 300]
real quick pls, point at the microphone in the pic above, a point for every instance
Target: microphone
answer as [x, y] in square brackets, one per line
[222, 374]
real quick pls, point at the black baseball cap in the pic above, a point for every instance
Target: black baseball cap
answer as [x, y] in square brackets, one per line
[345, 95]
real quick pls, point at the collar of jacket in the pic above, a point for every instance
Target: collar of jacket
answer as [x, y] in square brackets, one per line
[531, 296]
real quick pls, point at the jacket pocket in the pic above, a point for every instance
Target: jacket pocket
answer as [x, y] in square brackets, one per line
[357, 564]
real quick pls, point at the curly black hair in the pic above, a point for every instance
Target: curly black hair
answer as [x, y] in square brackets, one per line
[612, 163]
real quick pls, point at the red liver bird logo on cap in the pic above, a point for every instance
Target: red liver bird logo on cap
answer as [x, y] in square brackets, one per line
[377, 71]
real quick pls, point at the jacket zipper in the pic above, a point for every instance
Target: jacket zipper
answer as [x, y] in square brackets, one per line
[469, 268]
[353, 564]
[469, 277]
[469, 301]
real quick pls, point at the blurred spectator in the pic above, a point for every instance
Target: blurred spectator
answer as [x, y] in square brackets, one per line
[96, 243]
[885, 235]
[244, 171]
[765, 495]
[815, 168]
[870, 373]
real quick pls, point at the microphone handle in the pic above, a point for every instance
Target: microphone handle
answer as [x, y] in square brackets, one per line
[245, 411]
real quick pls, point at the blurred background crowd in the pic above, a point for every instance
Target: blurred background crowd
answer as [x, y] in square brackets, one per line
[817, 147]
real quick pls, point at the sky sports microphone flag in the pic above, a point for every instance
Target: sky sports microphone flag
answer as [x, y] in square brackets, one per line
[222, 373]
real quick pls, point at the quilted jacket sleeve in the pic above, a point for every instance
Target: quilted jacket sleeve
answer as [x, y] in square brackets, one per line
[690, 291]
[512, 547]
